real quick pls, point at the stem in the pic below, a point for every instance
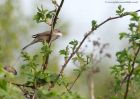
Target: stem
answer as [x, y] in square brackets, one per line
[82, 41]
[87, 34]
[74, 82]
[130, 74]
[52, 28]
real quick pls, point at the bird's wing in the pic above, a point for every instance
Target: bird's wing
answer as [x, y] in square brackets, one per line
[46, 33]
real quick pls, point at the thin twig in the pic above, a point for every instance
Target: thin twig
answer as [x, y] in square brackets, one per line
[74, 82]
[130, 74]
[23, 85]
[52, 28]
[87, 34]
[82, 41]
[25, 92]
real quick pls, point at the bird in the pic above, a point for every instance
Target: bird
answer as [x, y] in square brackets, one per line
[10, 69]
[44, 37]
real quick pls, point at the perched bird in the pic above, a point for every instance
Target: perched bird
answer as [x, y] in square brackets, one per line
[10, 69]
[44, 37]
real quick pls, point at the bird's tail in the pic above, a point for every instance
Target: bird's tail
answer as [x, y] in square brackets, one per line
[26, 46]
[34, 41]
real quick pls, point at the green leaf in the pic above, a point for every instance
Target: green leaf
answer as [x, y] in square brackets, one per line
[135, 16]
[51, 77]
[43, 15]
[51, 94]
[94, 24]
[138, 60]
[46, 50]
[39, 10]
[65, 52]
[35, 57]
[123, 56]
[120, 11]
[123, 34]
[25, 56]
[119, 7]
[132, 26]
[3, 84]
[74, 42]
[62, 52]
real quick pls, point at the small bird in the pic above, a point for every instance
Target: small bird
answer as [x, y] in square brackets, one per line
[10, 69]
[44, 37]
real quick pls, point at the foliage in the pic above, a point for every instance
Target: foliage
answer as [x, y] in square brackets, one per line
[127, 69]
[43, 15]
[94, 24]
[35, 82]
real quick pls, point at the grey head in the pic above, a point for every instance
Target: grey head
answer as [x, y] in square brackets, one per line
[57, 32]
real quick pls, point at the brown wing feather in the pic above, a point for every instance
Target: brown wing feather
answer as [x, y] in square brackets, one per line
[46, 33]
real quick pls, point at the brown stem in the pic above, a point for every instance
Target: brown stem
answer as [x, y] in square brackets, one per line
[52, 28]
[74, 82]
[24, 91]
[82, 41]
[23, 85]
[130, 74]
[87, 34]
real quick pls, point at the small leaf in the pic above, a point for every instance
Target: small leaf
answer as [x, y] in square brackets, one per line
[65, 52]
[119, 7]
[135, 16]
[3, 84]
[46, 49]
[62, 52]
[122, 35]
[25, 56]
[138, 60]
[120, 11]
[38, 9]
[74, 42]
[94, 24]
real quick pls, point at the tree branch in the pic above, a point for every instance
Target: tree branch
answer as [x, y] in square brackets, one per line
[52, 28]
[87, 34]
[130, 74]
[74, 82]
[23, 85]
[82, 41]
[25, 92]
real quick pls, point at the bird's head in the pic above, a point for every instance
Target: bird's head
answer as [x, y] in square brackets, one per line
[58, 32]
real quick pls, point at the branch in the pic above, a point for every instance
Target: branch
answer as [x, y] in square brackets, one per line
[25, 92]
[74, 82]
[130, 74]
[52, 28]
[57, 13]
[23, 85]
[87, 34]
[82, 41]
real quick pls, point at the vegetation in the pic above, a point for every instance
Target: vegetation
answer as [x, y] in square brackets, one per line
[35, 81]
